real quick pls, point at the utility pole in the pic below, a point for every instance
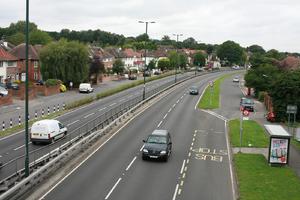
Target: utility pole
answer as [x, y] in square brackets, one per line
[177, 36]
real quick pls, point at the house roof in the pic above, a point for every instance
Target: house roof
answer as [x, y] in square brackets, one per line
[130, 53]
[5, 56]
[19, 52]
[290, 63]
[100, 53]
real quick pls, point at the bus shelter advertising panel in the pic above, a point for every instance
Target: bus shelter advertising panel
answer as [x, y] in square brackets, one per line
[279, 150]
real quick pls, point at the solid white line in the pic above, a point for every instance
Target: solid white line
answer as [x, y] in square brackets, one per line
[142, 148]
[130, 163]
[102, 109]
[159, 124]
[196, 106]
[175, 193]
[88, 115]
[165, 116]
[73, 123]
[112, 189]
[170, 110]
[183, 163]
[112, 104]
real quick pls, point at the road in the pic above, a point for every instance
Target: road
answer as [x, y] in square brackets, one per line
[198, 168]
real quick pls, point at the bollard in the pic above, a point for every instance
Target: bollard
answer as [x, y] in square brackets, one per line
[54, 109]
[58, 108]
[10, 123]
[48, 110]
[43, 112]
[35, 115]
[28, 117]
[3, 126]
[64, 105]
[19, 120]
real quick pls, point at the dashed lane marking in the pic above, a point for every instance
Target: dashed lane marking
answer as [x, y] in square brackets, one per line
[112, 189]
[182, 167]
[88, 115]
[102, 109]
[142, 148]
[165, 116]
[73, 122]
[128, 167]
[112, 104]
[159, 124]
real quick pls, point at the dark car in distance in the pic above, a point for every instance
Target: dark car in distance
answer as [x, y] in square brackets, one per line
[158, 145]
[13, 86]
[247, 104]
[194, 90]
[132, 77]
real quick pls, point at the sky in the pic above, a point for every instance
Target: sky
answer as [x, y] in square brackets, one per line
[272, 24]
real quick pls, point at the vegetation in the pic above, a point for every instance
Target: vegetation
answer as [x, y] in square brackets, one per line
[118, 66]
[163, 64]
[96, 68]
[257, 180]
[199, 59]
[67, 61]
[52, 82]
[253, 134]
[232, 52]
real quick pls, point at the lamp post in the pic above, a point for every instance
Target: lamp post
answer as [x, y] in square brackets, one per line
[145, 53]
[26, 92]
[177, 36]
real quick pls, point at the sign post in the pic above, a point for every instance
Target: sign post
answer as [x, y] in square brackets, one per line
[244, 116]
[291, 109]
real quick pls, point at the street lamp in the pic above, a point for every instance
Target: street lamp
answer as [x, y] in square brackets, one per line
[145, 65]
[177, 36]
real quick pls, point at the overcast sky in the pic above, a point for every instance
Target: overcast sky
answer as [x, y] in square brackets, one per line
[269, 23]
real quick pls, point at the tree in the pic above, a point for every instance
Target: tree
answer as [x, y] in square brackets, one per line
[199, 59]
[96, 67]
[151, 64]
[142, 37]
[256, 49]
[20, 27]
[231, 51]
[209, 49]
[166, 40]
[39, 37]
[275, 54]
[163, 64]
[182, 61]
[189, 43]
[174, 59]
[16, 39]
[118, 66]
[67, 61]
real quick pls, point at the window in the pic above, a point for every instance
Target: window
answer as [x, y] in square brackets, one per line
[35, 64]
[1, 63]
[35, 76]
[10, 63]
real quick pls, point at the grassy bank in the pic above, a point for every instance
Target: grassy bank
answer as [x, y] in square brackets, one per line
[211, 96]
[253, 134]
[257, 180]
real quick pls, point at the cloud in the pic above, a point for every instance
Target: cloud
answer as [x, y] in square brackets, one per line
[269, 23]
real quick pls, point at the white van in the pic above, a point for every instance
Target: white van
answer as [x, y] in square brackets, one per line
[85, 87]
[47, 131]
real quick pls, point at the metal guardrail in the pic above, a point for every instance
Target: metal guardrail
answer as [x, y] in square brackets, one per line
[42, 165]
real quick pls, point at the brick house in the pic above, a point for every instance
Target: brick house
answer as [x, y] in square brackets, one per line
[8, 66]
[34, 71]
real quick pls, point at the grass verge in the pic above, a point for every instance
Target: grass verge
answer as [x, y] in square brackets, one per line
[257, 180]
[253, 134]
[296, 144]
[211, 96]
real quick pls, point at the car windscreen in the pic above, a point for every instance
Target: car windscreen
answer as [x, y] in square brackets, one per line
[157, 139]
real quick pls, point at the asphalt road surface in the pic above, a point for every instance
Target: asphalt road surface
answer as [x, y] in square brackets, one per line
[198, 168]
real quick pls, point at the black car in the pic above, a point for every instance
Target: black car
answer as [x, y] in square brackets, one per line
[194, 90]
[13, 86]
[158, 145]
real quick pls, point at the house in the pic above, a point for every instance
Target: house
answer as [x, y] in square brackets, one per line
[34, 71]
[132, 59]
[8, 67]
[105, 57]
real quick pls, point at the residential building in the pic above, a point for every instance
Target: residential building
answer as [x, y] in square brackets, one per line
[34, 72]
[8, 67]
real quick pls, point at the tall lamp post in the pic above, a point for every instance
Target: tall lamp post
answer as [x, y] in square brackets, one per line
[177, 36]
[145, 65]
[26, 92]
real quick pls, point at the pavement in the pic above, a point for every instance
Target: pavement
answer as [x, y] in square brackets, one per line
[258, 116]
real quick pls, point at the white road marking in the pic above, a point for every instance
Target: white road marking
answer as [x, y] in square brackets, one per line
[181, 97]
[179, 191]
[102, 109]
[177, 101]
[192, 144]
[187, 161]
[21, 146]
[185, 169]
[183, 163]
[0, 156]
[73, 123]
[181, 183]
[142, 148]
[200, 97]
[165, 116]
[174, 105]
[112, 104]
[183, 176]
[112, 189]
[159, 124]
[189, 154]
[88, 115]
[175, 193]
[130, 163]
[121, 100]
[170, 110]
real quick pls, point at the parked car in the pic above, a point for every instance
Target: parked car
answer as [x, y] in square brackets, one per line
[47, 131]
[13, 86]
[247, 104]
[85, 87]
[158, 145]
[194, 90]
[132, 77]
[236, 79]
[236, 67]
[147, 73]
[3, 85]
[62, 88]
[3, 91]
[200, 69]
[39, 82]
[157, 72]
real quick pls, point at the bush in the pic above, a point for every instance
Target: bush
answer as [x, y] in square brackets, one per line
[52, 82]
[261, 96]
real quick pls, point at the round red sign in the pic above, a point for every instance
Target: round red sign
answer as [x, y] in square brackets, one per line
[246, 113]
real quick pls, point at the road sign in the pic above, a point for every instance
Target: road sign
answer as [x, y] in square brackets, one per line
[246, 115]
[291, 109]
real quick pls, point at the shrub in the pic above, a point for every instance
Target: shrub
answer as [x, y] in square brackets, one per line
[51, 82]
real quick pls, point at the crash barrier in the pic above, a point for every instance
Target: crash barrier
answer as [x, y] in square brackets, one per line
[47, 159]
